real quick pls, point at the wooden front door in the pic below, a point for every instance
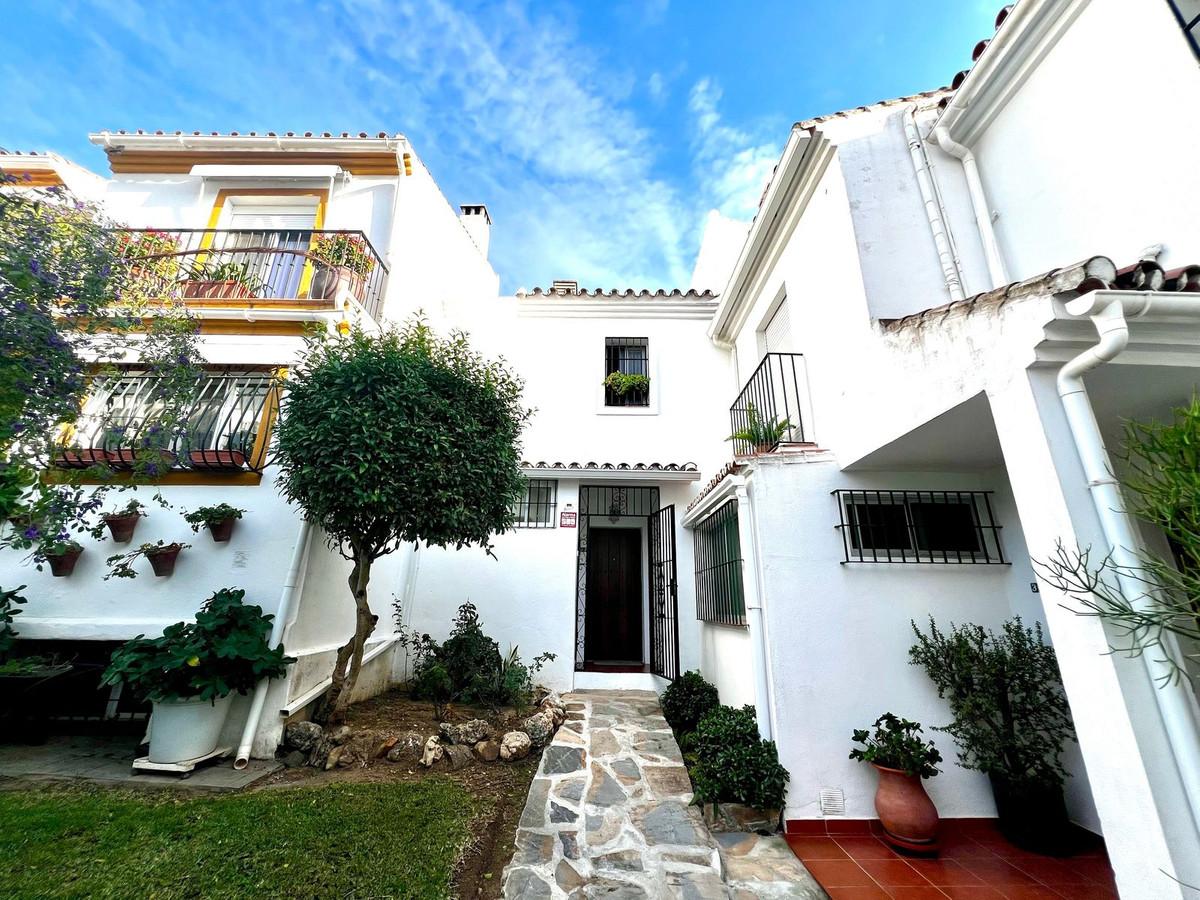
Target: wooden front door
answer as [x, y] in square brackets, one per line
[614, 596]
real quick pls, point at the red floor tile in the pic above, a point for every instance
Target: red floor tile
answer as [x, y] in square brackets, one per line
[865, 848]
[996, 872]
[1086, 891]
[839, 873]
[965, 848]
[892, 872]
[1029, 892]
[808, 848]
[1051, 871]
[914, 892]
[971, 892]
[945, 871]
[868, 892]
[1095, 869]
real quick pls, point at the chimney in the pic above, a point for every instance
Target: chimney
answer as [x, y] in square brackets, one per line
[478, 223]
[562, 286]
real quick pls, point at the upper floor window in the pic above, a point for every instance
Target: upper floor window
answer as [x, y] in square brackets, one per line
[626, 371]
[540, 503]
[1188, 14]
[919, 527]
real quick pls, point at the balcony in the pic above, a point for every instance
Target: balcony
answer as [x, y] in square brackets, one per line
[766, 414]
[242, 267]
[224, 426]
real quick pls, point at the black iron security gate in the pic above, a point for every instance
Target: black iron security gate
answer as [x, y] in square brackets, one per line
[614, 504]
[664, 598]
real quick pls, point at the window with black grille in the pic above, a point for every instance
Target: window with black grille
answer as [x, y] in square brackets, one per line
[918, 527]
[720, 598]
[539, 506]
[1188, 14]
[627, 356]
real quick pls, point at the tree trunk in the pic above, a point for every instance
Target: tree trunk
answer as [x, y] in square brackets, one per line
[349, 656]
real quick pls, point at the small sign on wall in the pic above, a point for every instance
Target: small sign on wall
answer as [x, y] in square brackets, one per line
[566, 519]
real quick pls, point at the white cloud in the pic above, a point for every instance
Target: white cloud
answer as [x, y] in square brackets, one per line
[732, 165]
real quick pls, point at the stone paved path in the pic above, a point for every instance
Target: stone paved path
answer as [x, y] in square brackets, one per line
[609, 815]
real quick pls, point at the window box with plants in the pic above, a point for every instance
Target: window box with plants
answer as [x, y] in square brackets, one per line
[192, 671]
[219, 520]
[221, 280]
[631, 387]
[162, 557]
[903, 759]
[343, 262]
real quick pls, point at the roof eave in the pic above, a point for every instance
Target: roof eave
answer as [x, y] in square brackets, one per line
[111, 141]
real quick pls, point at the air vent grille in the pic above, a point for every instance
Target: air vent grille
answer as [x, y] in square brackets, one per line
[833, 802]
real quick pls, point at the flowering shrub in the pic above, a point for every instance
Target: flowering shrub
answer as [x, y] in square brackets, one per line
[341, 249]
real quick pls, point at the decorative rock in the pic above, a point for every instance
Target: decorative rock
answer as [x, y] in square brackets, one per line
[319, 753]
[515, 745]
[539, 727]
[335, 754]
[433, 752]
[458, 756]
[346, 758]
[340, 735]
[302, 735]
[384, 747]
[488, 751]
[468, 733]
[408, 748]
[294, 759]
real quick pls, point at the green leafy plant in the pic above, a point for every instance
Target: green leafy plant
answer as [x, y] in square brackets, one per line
[224, 650]
[431, 454]
[225, 270]
[207, 516]
[1011, 717]
[622, 383]
[730, 763]
[9, 601]
[120, 565]
[1152, 606]
[897, 744]
[687, 700]
[759, 432]
[349, 251]
[132, 508]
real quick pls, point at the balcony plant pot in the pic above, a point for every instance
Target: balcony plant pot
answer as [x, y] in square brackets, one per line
[63, 564]
[328, 280]
[162, 559]
[221, 531]
[1033, 815]
[127, 459]
[122, 527]
[217, 460]
[82, 457]
[181, 730]
[908, 816]
[216, 290]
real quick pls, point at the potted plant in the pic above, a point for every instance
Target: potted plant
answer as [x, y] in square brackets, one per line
[62, 555]
[1011, 720]
[162, 558]
[346, 259]
[628, 383]
[221, 280]
[192, 671]
[761, 434]
[217, 519]
[123, 521]
[903, 758]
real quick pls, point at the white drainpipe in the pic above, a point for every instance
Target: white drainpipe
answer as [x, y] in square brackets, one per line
[754, 610]
[934, 210]
[287, 599]
[983, 216]
[1108, 310]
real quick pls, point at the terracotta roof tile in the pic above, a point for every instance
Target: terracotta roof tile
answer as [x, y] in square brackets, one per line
[619, 294]
[730, 468]
[610, 467]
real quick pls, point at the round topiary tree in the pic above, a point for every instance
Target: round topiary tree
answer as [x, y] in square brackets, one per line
[394, 438]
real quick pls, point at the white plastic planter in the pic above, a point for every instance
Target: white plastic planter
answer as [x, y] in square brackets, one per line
[181, 730]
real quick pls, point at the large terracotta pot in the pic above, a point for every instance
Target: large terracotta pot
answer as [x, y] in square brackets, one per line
[908, 816]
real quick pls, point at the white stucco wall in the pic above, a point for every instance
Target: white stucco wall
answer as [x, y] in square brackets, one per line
[726, 661]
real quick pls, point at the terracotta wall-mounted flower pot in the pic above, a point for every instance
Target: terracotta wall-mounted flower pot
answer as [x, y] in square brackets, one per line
[221, 531]
[163, 561]
[63, 564]
[121, 527]
[217, 460]
[908, 816]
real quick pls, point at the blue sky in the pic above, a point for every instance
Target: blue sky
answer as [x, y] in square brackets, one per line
[599, 134]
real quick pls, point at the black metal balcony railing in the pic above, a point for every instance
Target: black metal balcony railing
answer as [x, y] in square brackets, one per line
[224, 426]
[246, 264]
[766, 413]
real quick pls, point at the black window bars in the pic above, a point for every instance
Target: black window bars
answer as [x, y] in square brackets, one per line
[945, 527]
[1187, 13]
[539, 506]
[629, 356]
[767, 411]
[720, 596]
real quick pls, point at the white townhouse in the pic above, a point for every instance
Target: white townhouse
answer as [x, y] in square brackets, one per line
[956, 299]
[237, 218]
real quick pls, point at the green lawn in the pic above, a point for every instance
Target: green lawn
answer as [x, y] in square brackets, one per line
[347, 841]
